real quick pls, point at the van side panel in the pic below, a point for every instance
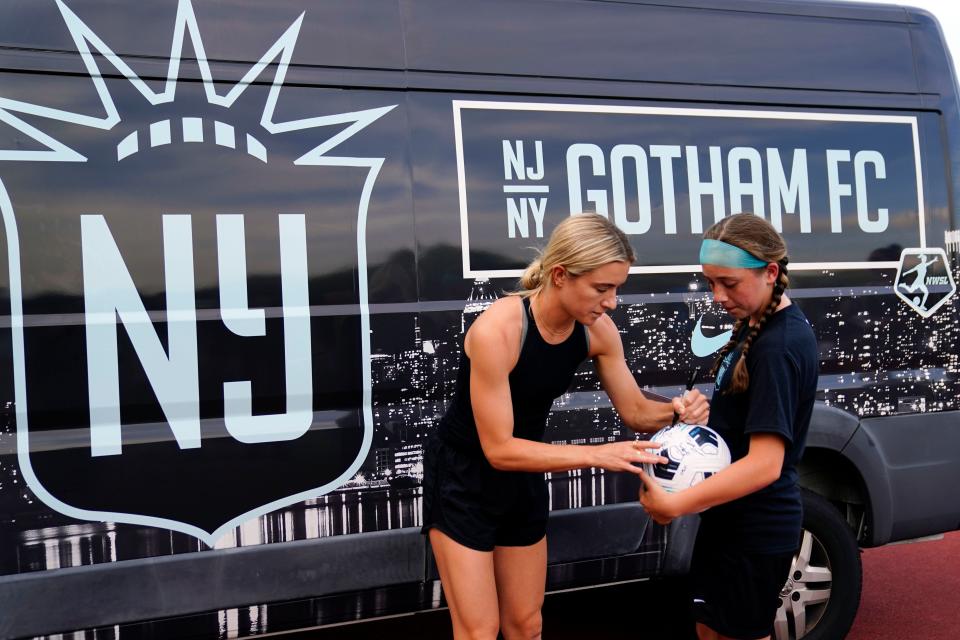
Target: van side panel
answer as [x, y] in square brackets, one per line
[919, 455]
[563, 40]
[164, 587]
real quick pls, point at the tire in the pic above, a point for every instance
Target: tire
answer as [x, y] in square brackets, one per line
[820, 598]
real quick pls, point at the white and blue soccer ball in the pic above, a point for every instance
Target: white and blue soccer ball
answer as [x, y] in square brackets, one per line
[695, 453]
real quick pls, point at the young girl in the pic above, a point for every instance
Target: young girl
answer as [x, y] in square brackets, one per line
[485, 497]
[766, 380]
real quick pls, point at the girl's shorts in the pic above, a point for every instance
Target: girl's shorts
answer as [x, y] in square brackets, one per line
[736, 593]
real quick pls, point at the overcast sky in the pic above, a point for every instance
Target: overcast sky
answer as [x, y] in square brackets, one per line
[947, 12]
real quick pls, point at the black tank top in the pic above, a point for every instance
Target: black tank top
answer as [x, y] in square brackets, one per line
[542, 374]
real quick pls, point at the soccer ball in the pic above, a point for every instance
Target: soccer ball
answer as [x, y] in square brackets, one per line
[695, 452]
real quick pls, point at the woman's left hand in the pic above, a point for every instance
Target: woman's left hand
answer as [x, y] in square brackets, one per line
[660, 505]
[693, 407]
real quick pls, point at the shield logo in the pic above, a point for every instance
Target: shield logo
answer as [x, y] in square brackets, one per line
[924, 280]
[188, 292]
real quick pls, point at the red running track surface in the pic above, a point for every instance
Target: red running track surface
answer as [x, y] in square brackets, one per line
[910, 592]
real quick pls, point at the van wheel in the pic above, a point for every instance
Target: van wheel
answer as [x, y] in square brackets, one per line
[820, 598]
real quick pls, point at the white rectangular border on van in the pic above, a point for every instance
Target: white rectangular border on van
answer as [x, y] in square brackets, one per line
[459, 105]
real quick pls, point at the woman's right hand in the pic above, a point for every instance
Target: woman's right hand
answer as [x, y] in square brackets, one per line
[625, 456]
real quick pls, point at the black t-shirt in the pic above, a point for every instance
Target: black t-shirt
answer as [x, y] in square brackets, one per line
[783, 368]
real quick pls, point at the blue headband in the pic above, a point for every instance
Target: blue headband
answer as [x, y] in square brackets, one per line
[720, 253]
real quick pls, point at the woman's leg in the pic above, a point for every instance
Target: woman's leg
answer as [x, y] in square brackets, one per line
[469, 586]
[521, 578]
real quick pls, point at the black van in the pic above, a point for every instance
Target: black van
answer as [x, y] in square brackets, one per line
[244, 240]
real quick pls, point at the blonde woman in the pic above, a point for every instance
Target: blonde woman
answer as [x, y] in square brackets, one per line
[485, 497]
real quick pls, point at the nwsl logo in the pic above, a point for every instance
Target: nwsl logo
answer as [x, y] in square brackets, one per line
[924, 280]
[173, 264]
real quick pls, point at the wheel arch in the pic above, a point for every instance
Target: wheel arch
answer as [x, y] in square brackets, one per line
[831, 475]
[841, 473]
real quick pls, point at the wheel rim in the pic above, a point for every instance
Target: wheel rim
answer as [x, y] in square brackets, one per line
[806, 594]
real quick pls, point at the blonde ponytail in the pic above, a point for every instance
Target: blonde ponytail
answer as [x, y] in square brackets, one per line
[579, 244]
[532, 275]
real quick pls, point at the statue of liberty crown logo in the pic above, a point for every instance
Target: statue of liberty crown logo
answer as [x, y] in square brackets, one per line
[88, 43]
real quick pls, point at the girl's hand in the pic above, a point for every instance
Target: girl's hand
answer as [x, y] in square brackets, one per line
[693, 407]
[624, 456]
[660, 505]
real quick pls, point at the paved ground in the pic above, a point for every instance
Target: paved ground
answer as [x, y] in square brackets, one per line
[910, 591]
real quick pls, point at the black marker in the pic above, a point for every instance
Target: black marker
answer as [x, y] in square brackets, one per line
[690, 381]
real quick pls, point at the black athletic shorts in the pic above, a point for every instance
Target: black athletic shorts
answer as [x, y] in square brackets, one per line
[477, 505]
[736, 593]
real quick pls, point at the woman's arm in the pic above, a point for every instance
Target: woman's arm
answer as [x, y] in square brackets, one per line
[637, 411]
[492, 357]
[760, 467]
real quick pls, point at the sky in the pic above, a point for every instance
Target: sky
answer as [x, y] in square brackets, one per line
[946, 11]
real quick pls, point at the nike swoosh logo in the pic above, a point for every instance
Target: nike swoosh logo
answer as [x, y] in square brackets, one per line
[702, 346]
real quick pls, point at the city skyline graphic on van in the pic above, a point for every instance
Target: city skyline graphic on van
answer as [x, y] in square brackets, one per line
[221, 382]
